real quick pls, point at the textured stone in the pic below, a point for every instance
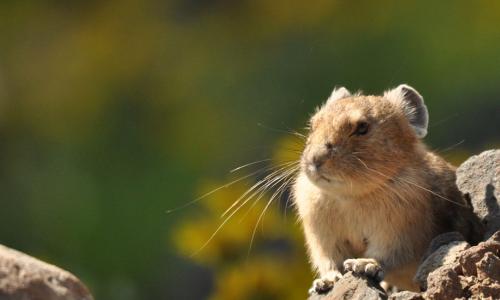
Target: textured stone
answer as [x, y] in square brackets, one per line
[23, 277]
[478, 179]
[485, 289]
[488, 267]
[353, 287]
[406, 295]
[473, 275]
[445, 255]
[441, 240]
[443, 283]
[473, 255]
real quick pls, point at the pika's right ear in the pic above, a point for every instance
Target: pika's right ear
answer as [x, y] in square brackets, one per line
[413, 106]
[338, 93]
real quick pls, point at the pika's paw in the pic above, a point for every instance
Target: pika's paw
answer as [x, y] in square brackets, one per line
[324, 284]
[364, 266]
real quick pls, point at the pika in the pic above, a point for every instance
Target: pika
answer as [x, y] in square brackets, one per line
[369, 194]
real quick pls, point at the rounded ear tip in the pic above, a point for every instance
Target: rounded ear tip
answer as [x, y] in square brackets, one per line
[339, 93]
[409, 90]
[341, 89]
[406, 87]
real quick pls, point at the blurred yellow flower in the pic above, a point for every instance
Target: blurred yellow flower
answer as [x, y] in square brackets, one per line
[263, 278]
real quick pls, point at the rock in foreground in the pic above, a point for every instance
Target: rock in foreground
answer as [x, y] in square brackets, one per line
[353, 287]
[23, 277]
[473, 273]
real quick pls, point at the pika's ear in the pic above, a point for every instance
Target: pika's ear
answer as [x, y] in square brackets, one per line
[338, 93]
[413, 106]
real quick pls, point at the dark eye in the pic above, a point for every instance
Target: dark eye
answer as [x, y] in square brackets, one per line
[361, 128]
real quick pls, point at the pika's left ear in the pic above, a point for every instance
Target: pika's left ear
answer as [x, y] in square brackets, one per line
[413, 106]
[338, 93]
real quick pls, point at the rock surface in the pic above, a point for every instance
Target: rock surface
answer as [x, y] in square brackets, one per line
[479, 180]
[353, 287]
[406, 295]
[444, 256]
[475, 276]
[454, 271]
[23, 277]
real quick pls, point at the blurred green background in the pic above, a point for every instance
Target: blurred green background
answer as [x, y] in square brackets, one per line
[113, 112]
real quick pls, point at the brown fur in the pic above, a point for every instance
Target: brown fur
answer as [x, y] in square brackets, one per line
[381, 195]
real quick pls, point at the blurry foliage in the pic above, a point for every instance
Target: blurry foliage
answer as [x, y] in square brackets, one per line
[113, 112]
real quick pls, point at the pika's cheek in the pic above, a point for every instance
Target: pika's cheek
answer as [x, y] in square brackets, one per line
[332, 167]
[304, 158]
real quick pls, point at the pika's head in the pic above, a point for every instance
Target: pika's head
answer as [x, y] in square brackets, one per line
[363, 141]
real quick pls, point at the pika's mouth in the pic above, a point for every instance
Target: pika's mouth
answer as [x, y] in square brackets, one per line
[324, 178]
[325, 182]
[315, 174]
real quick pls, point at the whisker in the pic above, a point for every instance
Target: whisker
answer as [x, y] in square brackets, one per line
[264, 185]
[271, 184]
[296, 132]
[291, 179]
[262, 181]
[411, 183]
[221, 225]
[261, 192]
[427, 190]
[385, 184]
[220, 188]
[450, 147]
[213, 234]
[282, 131]
[434, 193]
[288, 201]
[262, 214]
[249, 164]
[444, 120]
[296, 151]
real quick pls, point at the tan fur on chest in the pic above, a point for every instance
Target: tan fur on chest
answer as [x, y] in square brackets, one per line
[360, 227]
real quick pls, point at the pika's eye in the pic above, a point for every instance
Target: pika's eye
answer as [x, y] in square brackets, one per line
[361, 128]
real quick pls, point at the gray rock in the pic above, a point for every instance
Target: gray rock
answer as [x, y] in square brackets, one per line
[472, 256]
[406, 295]
[475, 275]
[353, 287]
[444, 283]
[23, 277]
[446, 255]
[441, 240]
[478, 179]
[489, 267]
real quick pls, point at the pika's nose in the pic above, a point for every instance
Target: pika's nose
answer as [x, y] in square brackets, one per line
[322, 155]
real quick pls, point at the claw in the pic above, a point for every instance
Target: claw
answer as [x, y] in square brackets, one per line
[324, 284]
[364, 266]
[321, 286]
